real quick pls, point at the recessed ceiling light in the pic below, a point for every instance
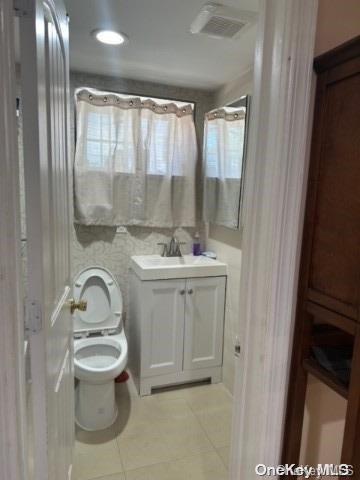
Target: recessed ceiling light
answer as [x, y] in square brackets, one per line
[109, 37]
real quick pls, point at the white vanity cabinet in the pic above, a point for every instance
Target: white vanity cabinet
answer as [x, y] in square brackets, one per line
[176, 330]
[162, 325]
[204, 322]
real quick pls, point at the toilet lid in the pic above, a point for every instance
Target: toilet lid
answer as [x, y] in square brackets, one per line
[100, 290]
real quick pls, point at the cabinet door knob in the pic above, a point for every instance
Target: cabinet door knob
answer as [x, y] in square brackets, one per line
[190, 291]
[182, 292]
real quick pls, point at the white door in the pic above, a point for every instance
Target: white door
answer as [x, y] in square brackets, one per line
[45, 105]
[163, 327]
[204, 322]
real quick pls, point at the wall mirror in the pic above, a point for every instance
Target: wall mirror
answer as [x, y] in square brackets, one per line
[224, 158]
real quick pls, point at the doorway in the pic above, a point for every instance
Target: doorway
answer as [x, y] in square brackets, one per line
[250, 174]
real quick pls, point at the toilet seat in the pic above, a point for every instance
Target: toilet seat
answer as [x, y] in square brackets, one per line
[100, 359]
[98, 287]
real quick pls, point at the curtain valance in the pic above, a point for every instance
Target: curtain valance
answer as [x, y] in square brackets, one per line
[230, 115]
[128, 102]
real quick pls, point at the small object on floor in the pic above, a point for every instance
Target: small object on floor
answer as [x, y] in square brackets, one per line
[123, 377]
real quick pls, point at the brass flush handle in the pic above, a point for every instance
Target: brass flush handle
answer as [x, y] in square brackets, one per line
[81, 305]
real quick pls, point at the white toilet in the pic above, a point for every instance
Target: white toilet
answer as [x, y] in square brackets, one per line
[100, 347]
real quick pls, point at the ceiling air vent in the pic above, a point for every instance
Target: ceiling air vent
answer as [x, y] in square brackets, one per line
[220, 21]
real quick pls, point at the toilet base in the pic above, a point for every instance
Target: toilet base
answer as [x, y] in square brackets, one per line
[96, 407]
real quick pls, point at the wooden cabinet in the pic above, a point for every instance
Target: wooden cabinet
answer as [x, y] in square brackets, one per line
[176, 330]
[327, 329]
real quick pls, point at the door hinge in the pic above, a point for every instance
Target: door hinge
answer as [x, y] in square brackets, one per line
[23, 8]
[33, 317]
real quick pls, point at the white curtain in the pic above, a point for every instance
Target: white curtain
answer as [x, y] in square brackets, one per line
[135, 162]
[224, 133]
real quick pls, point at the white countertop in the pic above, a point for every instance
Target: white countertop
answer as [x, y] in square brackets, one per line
[156, 267]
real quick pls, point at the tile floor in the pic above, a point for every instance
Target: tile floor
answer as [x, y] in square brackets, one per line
[173, 435]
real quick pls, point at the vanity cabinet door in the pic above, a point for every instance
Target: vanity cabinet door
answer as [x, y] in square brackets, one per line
[204, 322]
[162, 327]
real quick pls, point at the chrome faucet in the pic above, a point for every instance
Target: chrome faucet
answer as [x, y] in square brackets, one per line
[173, 249]
[165, 249]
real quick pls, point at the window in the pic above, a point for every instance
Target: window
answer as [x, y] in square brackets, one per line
[106, 143]
[128, 152]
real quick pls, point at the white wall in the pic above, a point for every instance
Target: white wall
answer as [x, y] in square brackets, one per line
[323, 426]
[232, 256]
[227, 244]
[338, 22]
[235, 89]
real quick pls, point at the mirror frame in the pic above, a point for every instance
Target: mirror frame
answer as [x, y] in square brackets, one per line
[247, 97]
[247, 105]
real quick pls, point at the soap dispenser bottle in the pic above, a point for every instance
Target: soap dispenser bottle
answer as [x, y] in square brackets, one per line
[196, 245]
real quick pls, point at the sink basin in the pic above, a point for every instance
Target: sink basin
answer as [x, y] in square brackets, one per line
[155, 267]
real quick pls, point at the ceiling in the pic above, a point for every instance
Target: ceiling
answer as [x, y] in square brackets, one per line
[160, 48]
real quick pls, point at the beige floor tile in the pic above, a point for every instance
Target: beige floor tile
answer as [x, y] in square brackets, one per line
[149, 416]
[159, 430]
[136, 414]
[143, 450]
[133, 417]
[209, 397]
[161, 471]
[172, 409]
[199, 397]
[117, 476]
[217, 424]
[179, 426]
[224, 453]
[90, 466]
[205, 466]
[184, 443]
[96, 443]
[162, 441]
